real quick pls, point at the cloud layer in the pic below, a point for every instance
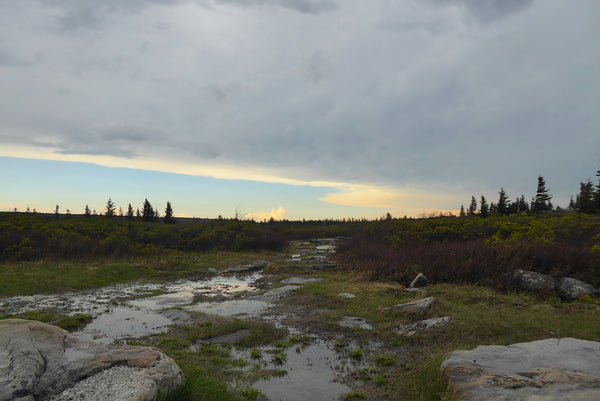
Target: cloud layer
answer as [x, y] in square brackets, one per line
[457, 97]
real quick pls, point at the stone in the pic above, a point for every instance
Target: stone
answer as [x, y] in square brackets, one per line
[545, 370]
[346, 295]
[534, 281]
[570, 288]
[410, 329]
[355, 323]
[39, 361]
[418, 306]
[419, 281]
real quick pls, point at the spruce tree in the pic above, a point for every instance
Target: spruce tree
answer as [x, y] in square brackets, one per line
[586, 201]
[483, 207]
[130, 212]
[88, 212]
[597, 193]
[502, 205]
[542, 197]
[147, 212]
[169, 219]
[473, 206]
[110, 208]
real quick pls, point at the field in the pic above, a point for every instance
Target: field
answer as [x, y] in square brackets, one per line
[468, 260]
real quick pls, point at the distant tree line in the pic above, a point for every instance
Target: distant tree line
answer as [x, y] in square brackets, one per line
[148, 213]
[587, 201]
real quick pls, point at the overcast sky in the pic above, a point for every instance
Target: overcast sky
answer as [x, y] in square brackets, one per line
[337, 107]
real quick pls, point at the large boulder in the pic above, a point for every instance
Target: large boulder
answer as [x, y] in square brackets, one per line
[570, 288]
[39, 361]
[546, 370]
[419, 281]
[534, 281]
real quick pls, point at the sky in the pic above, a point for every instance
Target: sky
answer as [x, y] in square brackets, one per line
[296, 108]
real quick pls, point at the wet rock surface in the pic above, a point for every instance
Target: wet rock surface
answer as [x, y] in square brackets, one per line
[546, 370]
[40, 361]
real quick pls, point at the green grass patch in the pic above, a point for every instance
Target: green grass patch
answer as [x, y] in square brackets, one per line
[52, 276]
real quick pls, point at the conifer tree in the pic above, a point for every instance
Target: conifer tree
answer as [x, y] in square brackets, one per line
[586, 201]
[88, 212]
[169, 219]
[502, 205]
[130, 212]
[473, 206]
[597, 193]
[462, 211]
[147, 212]
[542, 197]
[110, 208]
[483, 207]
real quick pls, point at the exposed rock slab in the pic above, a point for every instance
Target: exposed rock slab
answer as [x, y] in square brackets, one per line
[546, 370]
[38, 361]
[346, 295]
[411, 329]
[419, 306]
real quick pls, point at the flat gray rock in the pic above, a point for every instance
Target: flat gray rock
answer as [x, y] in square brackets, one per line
[419, 306]
[411, 329]
[40, 361]
[546, 370]
[346, 295]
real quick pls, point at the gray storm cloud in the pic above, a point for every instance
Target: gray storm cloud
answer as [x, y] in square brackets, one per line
[462, 94]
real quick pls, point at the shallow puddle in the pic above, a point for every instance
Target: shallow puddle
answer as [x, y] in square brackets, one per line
[123, 322]
[231, 308]
[312, 373]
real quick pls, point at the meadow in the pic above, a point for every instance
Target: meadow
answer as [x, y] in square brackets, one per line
[468, 260]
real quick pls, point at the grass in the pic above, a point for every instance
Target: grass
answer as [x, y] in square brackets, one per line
[50, 276]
